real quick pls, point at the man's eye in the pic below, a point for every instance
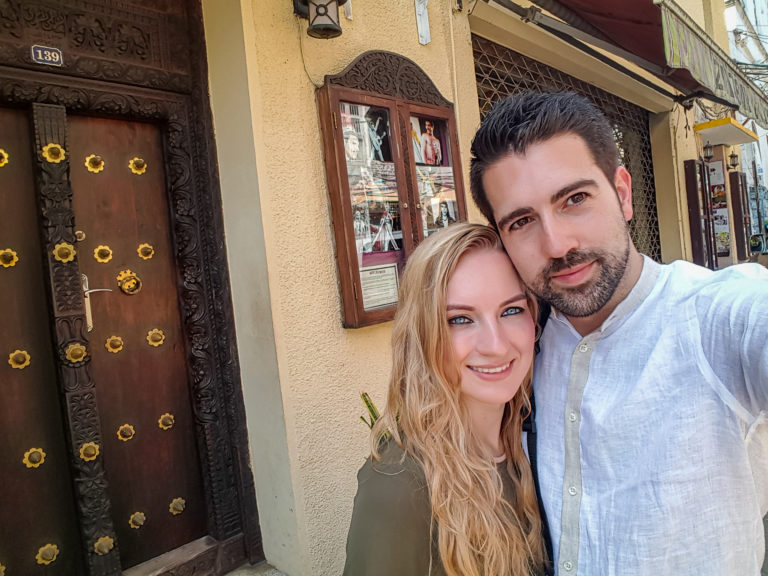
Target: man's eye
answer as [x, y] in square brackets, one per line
[512, 311]
[519, 223]
[577, 198]
[458, 320]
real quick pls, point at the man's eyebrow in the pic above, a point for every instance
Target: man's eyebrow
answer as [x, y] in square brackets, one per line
[556, 197]
[565, 190]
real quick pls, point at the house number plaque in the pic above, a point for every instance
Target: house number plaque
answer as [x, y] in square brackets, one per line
[47, 56]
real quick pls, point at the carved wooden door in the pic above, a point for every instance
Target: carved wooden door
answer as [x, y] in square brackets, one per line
[38, 525]
[160, 364]
[112, 435]
[134, 335]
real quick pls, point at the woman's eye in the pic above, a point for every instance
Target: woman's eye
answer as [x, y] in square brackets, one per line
[458, 320]
[512, 311]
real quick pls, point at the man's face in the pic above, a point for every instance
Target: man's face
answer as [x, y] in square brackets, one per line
[563, 224]
[352, 146]
[429, 127]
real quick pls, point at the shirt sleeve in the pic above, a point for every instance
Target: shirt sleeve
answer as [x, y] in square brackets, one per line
[389, 531]
[735, 334]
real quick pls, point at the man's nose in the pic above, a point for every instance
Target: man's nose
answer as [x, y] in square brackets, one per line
[557, 239]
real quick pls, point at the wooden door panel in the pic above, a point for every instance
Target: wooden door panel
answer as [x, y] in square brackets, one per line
[36, 503]
[138, 384]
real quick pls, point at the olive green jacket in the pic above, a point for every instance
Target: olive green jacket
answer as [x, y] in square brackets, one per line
[390, 530]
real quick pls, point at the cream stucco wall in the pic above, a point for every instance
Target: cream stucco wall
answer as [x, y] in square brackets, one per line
[302, 372]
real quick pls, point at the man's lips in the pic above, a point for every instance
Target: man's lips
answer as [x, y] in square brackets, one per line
[573, 276]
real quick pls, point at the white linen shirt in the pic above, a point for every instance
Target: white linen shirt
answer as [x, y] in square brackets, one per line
[652, 431]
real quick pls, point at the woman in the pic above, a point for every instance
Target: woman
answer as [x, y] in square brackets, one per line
[448, 490]
[445, 219]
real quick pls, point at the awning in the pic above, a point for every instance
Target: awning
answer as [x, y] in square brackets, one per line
[667, 42]
[724, 131]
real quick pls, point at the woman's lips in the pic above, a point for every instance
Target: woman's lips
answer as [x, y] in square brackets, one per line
[492, 372]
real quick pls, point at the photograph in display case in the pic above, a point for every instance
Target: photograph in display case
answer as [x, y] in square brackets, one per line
[375, 201]
[390, 149]
[437, 197]
[428, 136]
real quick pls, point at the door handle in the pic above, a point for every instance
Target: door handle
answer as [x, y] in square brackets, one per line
[87, 299]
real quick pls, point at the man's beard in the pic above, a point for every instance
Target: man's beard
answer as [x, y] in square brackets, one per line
[589, 298]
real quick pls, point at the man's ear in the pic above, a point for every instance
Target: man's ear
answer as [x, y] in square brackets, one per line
[622, 182]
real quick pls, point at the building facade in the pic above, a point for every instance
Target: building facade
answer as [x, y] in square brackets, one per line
[249, 194]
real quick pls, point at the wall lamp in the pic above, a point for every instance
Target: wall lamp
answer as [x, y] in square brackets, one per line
[733, 161]
[709, 151]
[323, 16]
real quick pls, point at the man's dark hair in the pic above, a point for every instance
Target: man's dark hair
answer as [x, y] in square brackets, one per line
[517, 122]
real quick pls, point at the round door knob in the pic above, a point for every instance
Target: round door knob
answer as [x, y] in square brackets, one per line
[137, 520]
[102, 253]
[79, 235]
[94, 163]
[137, 165]
[166, 421]
[89, 451]
[126, 432]
[75, 353]
[155, 337]
[114, 344]
[47, 554]
[53, 153]
[103, 545]
[19, 359]
[64, 252]
[177, 506]
[34, 457]
[129, 282]
[146, 251]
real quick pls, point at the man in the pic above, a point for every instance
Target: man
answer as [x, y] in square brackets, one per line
[430, 145]
[351, 144]
[652, 383]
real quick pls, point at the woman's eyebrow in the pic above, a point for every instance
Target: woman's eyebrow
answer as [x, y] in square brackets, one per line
[516, 298]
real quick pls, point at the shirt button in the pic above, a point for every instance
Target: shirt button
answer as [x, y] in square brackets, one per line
[568, 566]
[572, 491]
[572, 416]
[583, 348]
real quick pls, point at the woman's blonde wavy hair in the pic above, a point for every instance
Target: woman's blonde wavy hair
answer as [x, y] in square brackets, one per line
[478, 532]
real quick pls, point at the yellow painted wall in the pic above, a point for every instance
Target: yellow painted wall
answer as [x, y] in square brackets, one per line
[280, 246]
[302, 372]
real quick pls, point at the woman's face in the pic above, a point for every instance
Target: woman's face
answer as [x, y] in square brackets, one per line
[491, 328]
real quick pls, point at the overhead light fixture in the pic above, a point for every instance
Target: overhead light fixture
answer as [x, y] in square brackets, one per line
[323, 16]
[709, 151]
[733, 161]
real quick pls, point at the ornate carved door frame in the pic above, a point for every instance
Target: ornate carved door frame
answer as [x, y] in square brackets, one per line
[204, 292]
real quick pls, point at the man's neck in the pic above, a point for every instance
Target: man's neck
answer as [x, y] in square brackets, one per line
[588, 324]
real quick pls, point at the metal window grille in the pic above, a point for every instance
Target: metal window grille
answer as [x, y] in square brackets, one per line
[501, 72]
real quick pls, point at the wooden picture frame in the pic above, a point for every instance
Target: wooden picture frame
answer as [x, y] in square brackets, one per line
[394, 176]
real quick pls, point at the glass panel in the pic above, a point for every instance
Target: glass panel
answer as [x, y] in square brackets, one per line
[375, 202]
[434, 173]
